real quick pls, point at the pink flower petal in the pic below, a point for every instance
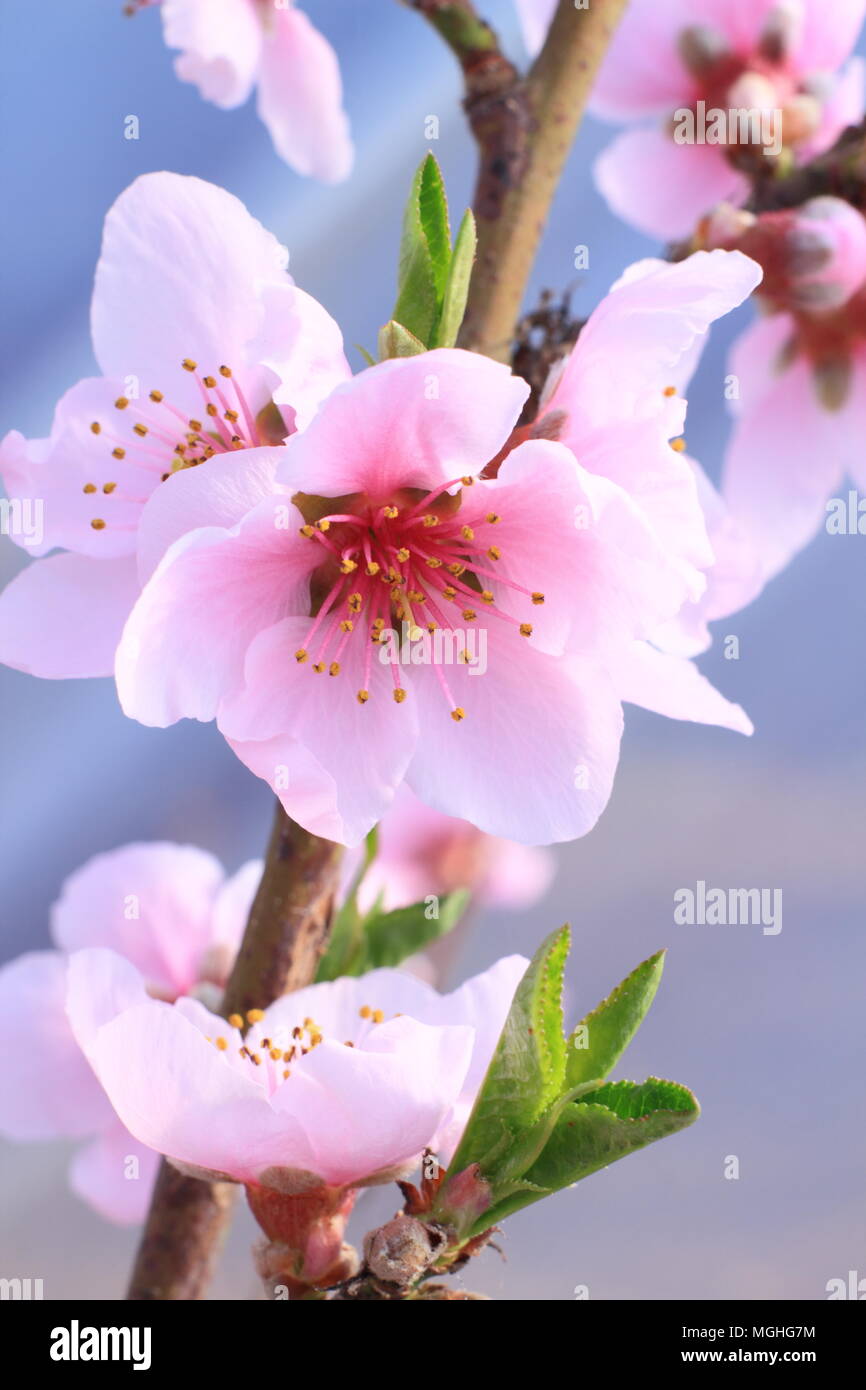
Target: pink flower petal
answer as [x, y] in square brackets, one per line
[115, 1174]
[221, 42]
[411, 422]
[152, 903]
[63, 616]
[360, 751]
[829, 33]
[663, 188]
[47, 1088]
[184, 646]
[673, 686]
[300, 97]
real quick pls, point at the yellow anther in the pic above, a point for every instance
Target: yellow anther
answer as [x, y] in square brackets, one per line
[89, 487]
[254, 1057]
[188, 364]
[98, 524]
[196, 425]
[255, 1015]
[211, 408]
[140, 430]
[96, 428]
[232, 416]
[467, 533]
[486, 596]
[301, 654]
[469, 615]
[433, 562]
[324, 524]
[275, 1054]
[391, 513]
[363, 697]
[236, 1021]
[430, 519]
[121, 403]
[108, 488]
[209, 381]
[354, 602]
[286, 1073]
[156, 396]
[365, 1011]
[458, 714]
[526, 629]
[378, 624]
[467, 482]
[399, 694]
[347, 625]
[222, 1044]
[378, 1016]
[347, 566]
[373, 569]
[318, 667]
[334, 668]
[493, 518]
[225, 371]
[449, 591]
[415, 632]
[537, 598]
[494, 552]
[118, 453]
[678, 445]
[308, 531]
[403, 554]
[669, 391]
[456, 569]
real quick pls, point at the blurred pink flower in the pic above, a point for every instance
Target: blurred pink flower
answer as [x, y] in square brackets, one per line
[681, 61]
[186, 276]
[800, 374]
[169, 910]
[228, 47]
[421, 852]
[502, 713]
[339, 1084]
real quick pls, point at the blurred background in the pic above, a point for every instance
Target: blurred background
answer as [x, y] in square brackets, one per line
[768, 1030]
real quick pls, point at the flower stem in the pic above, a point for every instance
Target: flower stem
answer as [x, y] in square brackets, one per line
[284, 938]
[524, 128]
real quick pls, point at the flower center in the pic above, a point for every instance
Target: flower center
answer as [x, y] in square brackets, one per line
[271, 1052]
[405, 562]
[158, 439]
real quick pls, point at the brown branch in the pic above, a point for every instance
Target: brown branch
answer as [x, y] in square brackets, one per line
[524, 128]
[839, 172]
[284, 938]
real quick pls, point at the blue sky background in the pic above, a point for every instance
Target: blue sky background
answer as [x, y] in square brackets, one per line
[768, 1030]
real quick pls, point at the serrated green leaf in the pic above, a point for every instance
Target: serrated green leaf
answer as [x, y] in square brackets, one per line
[425, 253]
[390, 937]
[457, 284]
[612, 1024]
[594, 1131]
[527, 1071]
[433, 210]
[396, 341]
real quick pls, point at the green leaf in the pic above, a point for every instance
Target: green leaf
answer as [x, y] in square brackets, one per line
[397, 341]
[370, 360]
[527, 1072]
[610, 1027]
[457, 284]
[347, 927]
[425, 253]
[594, 1131]
[391, 937]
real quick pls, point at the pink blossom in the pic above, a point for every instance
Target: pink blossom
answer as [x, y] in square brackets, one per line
[335, 688]
[186, 277]
[422, 852]
[800, 371]
[673, 59]
[339, 1084]
[169, 910]
[229, 47]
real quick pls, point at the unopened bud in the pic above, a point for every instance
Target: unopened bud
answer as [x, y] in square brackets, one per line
[401, 1250]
